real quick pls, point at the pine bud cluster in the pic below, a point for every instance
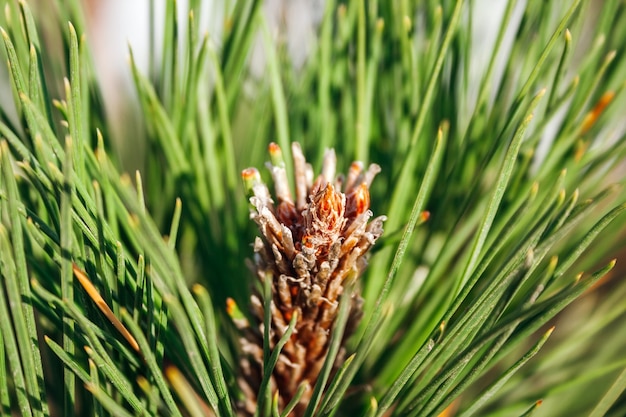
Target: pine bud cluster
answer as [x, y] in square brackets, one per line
[310, 247]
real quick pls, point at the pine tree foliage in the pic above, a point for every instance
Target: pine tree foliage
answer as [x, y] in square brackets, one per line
[495, 288]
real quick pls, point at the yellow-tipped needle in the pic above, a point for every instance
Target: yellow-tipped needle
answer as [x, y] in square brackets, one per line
[102, 305]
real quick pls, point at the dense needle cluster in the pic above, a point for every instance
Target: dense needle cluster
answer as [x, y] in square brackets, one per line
[310, 247]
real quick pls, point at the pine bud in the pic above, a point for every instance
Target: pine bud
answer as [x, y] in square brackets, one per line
[308, 246]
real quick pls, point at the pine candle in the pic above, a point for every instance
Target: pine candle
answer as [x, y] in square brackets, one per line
[310, 248]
